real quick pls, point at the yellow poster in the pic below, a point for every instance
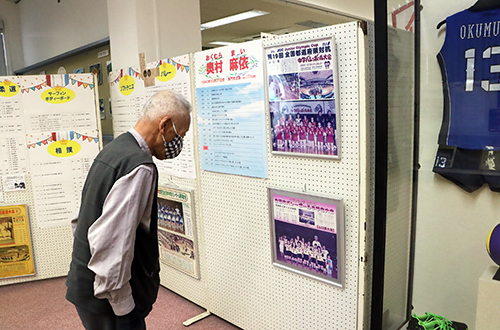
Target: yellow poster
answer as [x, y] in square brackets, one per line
[16, 255]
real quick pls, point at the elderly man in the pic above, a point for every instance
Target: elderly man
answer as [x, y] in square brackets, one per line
[113, 279]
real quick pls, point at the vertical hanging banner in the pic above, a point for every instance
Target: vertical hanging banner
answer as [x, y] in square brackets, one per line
[231, 109]
[173, 73]
[16, 255]
[304, 98]
[62, 139]
[127, 92]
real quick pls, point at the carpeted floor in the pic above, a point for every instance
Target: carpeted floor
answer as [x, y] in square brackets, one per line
[40, 305]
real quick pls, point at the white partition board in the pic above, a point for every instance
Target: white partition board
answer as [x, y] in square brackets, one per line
[174, 279]
[52, 246]
[126, 112]
[244, 287]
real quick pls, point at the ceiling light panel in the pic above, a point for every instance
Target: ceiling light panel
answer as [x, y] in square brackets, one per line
[233, 18]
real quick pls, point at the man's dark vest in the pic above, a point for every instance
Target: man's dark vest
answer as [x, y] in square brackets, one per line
[118, 159]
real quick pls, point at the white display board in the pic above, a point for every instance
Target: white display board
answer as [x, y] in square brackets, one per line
[243, 285]
[49, 136]
[130, 89]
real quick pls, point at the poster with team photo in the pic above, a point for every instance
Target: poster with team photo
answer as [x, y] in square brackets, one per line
[307, 235]
[177, 230]
[302, 84]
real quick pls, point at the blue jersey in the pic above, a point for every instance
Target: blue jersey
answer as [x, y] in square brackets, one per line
[470, 66]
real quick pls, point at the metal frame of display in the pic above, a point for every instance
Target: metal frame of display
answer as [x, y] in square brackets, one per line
[381, 163]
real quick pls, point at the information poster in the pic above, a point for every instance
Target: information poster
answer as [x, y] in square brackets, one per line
[303, 98]
[13, 153]
[307, 235]
[231, 109]
[130, 89]
[60, 162]
[16, 255]
[128, 95]
[174, 74]
[177, 230]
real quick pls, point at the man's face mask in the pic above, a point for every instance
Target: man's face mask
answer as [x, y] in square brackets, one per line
[174, 147]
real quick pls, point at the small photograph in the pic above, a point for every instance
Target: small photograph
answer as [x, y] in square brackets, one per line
[96, 69]
[6, 231]
[80, 70]
[170, 215]
[284, 87]
[14, 254]
[306, 217]
[306, 249]
[316, 85]
[177, 245]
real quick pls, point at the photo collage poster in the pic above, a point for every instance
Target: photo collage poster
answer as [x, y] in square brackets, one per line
[130, 88]
[303, 98]
[57, 114]
[16, 255]
[177, 230]
[306, 235]
[231, 109]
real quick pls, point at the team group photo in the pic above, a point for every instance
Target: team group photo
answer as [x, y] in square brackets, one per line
[170, 215]
[306, 249]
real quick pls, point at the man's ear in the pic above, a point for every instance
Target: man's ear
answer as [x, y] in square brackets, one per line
[163, 124]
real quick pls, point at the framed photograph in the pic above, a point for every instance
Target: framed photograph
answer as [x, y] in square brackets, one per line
[303, 93]
[16, 255]
[177, 230]
[96, 69]
[307, 235]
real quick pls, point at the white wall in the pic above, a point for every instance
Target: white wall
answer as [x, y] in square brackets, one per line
[50, 28]
[452, 225]
[9, 12]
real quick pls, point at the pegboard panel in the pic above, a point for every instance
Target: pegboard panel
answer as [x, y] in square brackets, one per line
[175, 280]
[400, 170]
[51, 246]
[244, 287]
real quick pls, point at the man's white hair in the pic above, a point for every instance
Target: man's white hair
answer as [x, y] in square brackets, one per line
[166, 103]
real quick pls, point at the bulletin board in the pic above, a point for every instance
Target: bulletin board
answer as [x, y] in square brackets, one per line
[130, 88]
[49, 136]
[240, 273]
